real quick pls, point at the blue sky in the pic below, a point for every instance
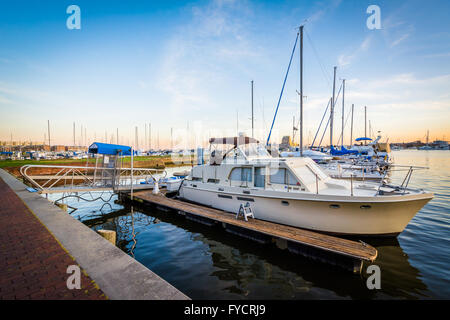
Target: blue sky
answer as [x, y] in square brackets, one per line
[189, 65]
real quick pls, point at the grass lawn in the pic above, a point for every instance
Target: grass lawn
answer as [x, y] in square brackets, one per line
[18, 163]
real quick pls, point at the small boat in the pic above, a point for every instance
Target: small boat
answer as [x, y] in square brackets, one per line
[298, 192]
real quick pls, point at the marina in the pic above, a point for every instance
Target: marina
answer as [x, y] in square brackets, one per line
[227, 266]
[224, 150]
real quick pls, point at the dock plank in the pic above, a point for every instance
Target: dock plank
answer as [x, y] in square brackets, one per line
[337, 245]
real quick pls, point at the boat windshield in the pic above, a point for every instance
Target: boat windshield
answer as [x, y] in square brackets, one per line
[254, 150]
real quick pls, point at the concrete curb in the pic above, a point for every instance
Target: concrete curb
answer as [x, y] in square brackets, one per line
[118, 275]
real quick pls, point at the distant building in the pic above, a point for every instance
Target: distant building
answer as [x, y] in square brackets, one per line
[286, 143]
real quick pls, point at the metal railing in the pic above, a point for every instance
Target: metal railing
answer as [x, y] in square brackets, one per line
[66, 178]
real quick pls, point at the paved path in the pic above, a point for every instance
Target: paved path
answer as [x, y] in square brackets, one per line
[33, 263]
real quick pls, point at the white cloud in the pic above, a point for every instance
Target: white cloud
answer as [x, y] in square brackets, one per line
[346, 59]
[400, 39]
[200, 55]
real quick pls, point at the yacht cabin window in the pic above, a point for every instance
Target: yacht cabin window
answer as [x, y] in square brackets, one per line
[283, 176]
[241, 174]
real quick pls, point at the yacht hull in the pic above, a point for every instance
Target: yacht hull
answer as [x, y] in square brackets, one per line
[341, 215]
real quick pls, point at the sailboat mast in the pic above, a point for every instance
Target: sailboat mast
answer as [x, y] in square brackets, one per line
[365, 124]
[332, 108]
[293, 129]
[301, 91]
[351, 129]
[342, 130]
[48, 128]
[253, 130]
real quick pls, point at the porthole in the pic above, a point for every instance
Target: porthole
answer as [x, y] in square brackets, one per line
[365, 207]
[284, 203]
[334, 206]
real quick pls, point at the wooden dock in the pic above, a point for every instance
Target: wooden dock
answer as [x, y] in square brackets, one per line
[325, 248]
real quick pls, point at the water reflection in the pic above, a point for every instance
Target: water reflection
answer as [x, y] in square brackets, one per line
[208, 263]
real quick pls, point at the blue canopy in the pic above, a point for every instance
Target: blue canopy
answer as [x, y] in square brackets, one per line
[6, 153]
[363, 139]
[343, 151]
[349, 151]
[109, 149]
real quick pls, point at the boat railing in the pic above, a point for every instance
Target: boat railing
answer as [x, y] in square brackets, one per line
[406, 179]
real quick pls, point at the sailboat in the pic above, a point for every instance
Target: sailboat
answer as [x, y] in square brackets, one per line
[427, 146]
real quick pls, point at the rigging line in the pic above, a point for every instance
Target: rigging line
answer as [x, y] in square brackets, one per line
[326, 109]
[326, 76]
[345, 124]
[328, 122]
[329, 118]
[282, 89]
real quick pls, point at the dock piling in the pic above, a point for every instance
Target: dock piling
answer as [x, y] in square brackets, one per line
[108, 235]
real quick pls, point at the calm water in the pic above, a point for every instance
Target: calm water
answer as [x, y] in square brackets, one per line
[208, 263]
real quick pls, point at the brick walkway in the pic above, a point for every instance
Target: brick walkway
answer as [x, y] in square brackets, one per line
[32, 262]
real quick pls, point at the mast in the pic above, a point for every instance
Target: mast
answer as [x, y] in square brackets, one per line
[351, 130]
[293, 129]
[365, 124]
[74, 144]
[117, 135]
[253, 131]
[342, 130]
[237, 123]
[332, 108]
[48, 128]
[301, 91]
[171, 139]
[136, 146]
[150, 134]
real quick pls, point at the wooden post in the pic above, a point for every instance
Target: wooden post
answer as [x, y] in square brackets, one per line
[62, 206]
[108, 235]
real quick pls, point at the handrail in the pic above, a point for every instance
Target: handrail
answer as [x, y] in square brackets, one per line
[81, 172]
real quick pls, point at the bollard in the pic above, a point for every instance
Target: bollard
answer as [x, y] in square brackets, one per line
[108, 235]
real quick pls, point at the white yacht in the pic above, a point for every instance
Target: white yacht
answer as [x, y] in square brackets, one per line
[297, 192]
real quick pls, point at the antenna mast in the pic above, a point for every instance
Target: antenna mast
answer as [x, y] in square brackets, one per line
[301, 91]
